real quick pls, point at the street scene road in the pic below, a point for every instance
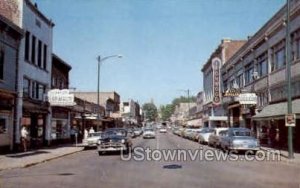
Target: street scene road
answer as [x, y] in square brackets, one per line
[87, 169]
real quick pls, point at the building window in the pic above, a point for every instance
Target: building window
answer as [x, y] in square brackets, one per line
[249, 74]
[3, 124]
[231, 84]
[262, 65]
[27, 45]
[278, 93]
[33, 49]
[296, 45]
[40, 53]
[225, 87]
[1, 65]
[33, 88]
[45, 57]
[263, 98]
[240, 81]
[278, 56]
[26, 87]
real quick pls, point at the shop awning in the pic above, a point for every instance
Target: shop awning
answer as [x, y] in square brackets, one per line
[277, 111]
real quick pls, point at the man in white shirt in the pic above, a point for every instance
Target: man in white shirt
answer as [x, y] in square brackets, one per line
[24, 137]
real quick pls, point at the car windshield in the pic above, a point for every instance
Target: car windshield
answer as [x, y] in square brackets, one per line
[149, 130]
[95, 134]
[241, 133]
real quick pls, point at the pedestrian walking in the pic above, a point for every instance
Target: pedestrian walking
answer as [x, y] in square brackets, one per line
[24, 138]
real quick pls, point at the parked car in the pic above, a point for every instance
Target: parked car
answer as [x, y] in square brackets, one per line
[204, 135]
[91, 140]
[149, 133]
[214, 138]
[137, 132]
[163, 130]
[194, 134]
[239, 139]
[114, 139]
[186, 132]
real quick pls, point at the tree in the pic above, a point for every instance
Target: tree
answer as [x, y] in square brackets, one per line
[166, 111]
[150, 111]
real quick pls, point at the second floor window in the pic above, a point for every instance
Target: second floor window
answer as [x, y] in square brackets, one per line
[1, 65]
[33, 49]
[27, 45]
[249, 74]
[26, 87]
[240, 81]
[262, 65]
[278, 56]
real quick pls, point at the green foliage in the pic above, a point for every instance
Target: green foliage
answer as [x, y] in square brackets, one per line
[168, 110]
[150, 111]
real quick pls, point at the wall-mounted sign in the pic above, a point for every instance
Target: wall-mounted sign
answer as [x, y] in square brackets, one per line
[247, 98]
[11, 9]
[290, 120]
[233, 92]
[62, 97]
[216, 64]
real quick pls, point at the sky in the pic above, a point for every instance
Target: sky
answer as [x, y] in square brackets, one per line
[164, 43]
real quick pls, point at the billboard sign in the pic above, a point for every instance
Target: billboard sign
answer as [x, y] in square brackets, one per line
[57, 97]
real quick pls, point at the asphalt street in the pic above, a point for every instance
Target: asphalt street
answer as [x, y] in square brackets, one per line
[88, 169]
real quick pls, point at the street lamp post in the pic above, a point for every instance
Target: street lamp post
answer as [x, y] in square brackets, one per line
[100, 60]
[288, 78]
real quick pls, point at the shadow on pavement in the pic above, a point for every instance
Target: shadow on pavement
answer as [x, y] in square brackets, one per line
[26, 154]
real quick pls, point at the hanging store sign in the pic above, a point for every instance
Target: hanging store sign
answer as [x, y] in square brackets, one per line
[233, 92]
[62, 97]
[247, 98]
[216, 64]
[290, 120]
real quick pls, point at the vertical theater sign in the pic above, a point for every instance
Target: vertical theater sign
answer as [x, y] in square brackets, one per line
[216, 64]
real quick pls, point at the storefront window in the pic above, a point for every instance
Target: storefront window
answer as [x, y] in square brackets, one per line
[3, 125]
[60, 129]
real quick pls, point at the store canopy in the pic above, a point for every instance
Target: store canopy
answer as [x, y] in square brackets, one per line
[277, 111]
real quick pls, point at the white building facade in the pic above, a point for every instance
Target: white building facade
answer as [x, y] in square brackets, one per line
[34, 76]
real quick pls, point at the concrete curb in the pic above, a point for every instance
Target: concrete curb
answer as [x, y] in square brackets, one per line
[42, 161]
[284, 159]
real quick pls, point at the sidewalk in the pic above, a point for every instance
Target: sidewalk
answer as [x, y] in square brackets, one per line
[25, 159]
[284, 156]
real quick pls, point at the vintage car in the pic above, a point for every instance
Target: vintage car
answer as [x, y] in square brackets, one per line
[239, 139]
[91, 140]
[114, 139]
[149, 133]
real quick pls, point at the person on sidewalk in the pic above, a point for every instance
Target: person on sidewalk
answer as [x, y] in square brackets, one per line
[73, 134]
[24, 137]
[86, 134]
[91, 130]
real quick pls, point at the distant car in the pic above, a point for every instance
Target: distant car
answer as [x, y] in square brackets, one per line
[137, 132]
[215, 137]
[91, 140]
[149, 133]
[114, 139]
[163, 130]
[194, 133]
[240, 139]
[204, 135]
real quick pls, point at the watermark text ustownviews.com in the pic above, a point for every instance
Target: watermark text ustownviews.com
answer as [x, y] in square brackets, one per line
[148, 154]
